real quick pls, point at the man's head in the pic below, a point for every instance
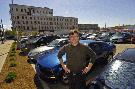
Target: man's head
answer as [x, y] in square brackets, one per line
[74, 37]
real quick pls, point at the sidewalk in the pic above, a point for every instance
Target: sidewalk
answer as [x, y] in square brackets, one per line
[4, 49]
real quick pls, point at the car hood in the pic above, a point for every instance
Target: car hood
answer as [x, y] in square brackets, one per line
[49, 58]
[119, 75]
[41, 49]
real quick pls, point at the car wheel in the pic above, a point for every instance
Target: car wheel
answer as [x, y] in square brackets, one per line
[109, 58]
[65, 78]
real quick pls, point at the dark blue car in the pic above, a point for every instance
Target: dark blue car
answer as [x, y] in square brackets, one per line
[118, 74]
[48, 65]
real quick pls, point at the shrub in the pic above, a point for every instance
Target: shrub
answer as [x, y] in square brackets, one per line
[12, 54]
[10, 77]
[13, 49]
[12, 59]
[13, 64]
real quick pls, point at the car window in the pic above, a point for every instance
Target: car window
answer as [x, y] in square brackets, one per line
[95, 47]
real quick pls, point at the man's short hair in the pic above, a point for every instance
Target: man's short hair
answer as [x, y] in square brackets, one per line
[73, 31]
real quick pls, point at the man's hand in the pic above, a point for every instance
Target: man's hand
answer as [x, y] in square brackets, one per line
[66, 69]
[86, 70]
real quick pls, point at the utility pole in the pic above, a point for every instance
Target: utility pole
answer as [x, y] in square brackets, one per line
[12, 1]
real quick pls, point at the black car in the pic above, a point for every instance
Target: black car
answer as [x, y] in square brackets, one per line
[105, 36]
[118, 74]
[41, 41]
[121, 37]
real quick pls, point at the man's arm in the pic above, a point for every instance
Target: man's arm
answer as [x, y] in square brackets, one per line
[64, 66]
[92, 56]
[60, 54]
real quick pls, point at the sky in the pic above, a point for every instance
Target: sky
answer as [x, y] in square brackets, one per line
[111, 12]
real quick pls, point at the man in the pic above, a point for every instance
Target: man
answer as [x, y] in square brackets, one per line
[76, 55]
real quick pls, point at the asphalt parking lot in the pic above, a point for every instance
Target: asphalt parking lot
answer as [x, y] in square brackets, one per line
[59, 85]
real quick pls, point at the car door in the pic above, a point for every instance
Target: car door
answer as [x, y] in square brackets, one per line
[99, 48]
[104, 48]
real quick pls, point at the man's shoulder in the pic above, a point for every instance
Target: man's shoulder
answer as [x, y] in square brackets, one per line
[83, 45]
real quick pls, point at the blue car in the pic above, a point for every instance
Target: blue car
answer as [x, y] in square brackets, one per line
[118, 74]
[48, 66]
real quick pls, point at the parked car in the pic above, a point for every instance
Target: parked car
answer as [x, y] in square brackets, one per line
[48, 66]
[32, 55]
[84, 36]
[121, 37]
[41, 41]
[118, 74]
[133, 38]
[23, 44]
[105, 36]
[93, 36]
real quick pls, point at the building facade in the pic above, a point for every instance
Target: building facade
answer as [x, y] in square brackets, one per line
[88, 28]
[30, 18]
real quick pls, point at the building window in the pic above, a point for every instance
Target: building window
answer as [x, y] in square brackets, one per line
[22, 17]
[24, 10]
[18, 22]
[51, 23]
[23, 22]
[16, 9]
[30, 17]
[26, 22]
[21, 10]
[27, 28]
[35, 22]
[17, 17]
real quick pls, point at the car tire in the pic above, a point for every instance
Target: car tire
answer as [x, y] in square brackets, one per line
[65, 78]
[109, 58]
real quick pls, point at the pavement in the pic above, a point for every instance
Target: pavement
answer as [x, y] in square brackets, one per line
[4, 50]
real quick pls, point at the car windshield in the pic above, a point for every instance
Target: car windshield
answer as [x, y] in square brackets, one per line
[54, 43]
[36, 39]
[119, 74]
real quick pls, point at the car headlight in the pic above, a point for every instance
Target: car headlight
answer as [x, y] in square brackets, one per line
[33, 53]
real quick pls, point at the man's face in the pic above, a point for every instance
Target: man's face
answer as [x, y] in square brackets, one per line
[74, 39]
